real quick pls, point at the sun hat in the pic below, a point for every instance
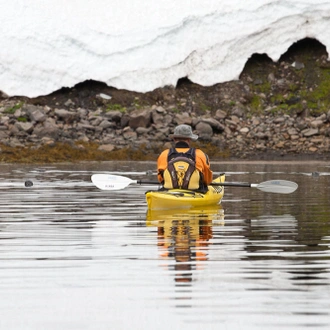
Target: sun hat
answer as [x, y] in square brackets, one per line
[184, 131]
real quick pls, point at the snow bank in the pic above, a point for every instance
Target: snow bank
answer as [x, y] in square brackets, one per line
[141, 45]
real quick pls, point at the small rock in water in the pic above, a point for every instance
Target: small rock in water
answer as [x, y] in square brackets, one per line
[28, 183]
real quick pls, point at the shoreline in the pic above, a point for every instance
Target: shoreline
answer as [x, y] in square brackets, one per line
[72, 153]
[273, 112]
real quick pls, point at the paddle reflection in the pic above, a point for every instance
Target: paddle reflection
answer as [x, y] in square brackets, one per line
[184, 236]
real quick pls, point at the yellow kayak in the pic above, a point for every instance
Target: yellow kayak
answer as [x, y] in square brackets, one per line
[185, 199]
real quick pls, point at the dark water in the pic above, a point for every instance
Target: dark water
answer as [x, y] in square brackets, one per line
[75, 257]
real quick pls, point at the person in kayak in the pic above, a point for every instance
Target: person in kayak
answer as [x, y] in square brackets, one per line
[183, 166]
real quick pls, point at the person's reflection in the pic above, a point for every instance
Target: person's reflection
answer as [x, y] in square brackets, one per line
[185, 238]
[186, 242]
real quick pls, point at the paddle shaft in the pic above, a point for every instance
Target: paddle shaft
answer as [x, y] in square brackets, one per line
[222, 184]
[274, 186]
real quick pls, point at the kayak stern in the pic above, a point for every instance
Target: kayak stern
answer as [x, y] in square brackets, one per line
[185, 199]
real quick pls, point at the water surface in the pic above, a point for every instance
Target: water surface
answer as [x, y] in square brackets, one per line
[75, 257]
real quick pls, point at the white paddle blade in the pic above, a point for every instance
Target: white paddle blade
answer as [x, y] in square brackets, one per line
[277, 186]
[111, 182]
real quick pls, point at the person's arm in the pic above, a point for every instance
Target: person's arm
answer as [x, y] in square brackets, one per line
[161, 165]
[203, 164]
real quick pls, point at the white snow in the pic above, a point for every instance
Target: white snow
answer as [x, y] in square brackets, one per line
[140, 45]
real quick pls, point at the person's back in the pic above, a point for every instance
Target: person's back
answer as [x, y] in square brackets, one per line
[183, 166]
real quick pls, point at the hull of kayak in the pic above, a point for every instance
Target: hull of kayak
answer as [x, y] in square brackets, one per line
[185, 199]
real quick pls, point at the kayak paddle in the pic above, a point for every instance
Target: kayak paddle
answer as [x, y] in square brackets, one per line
[118, 182]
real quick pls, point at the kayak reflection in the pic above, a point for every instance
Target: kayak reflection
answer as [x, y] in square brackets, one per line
[184, 236]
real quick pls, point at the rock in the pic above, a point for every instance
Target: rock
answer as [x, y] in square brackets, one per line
[238, 111]
[25, 127]
[310, 132]
[143, 130]
[204, 131]
[3, 95]
[140, 119]
[298, 65]
[128, 134]
[47, 129]
[69, 103]
[104, 96]
[316, 123]
[220, 114]
[114, 116]
[292, 131]
[67, 116]
[279, 120]
[258, 81]
[159, 109]
[271, 77]
[106, 124]
[216, 126]
[244, 130]
[183, 118]
[158, 117]
[106, 147]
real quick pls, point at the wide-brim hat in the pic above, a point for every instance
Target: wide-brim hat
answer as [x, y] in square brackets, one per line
[185, 132]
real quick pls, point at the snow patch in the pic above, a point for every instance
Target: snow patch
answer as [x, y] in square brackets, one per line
[141, 45]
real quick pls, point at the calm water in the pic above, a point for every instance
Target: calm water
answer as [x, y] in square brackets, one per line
[75, 257]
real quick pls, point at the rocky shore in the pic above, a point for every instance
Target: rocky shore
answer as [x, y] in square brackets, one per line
[275, 110]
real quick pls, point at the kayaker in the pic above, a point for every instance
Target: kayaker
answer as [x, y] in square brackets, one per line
[184, 166]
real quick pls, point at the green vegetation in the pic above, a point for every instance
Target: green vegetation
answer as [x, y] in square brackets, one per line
[175, 110]
[136, 104]
[255, 104]
[14, 108]
[265, 87]
[116, 107]
[312, 85]
[204, 107]
[22, 119]
[318, 98]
